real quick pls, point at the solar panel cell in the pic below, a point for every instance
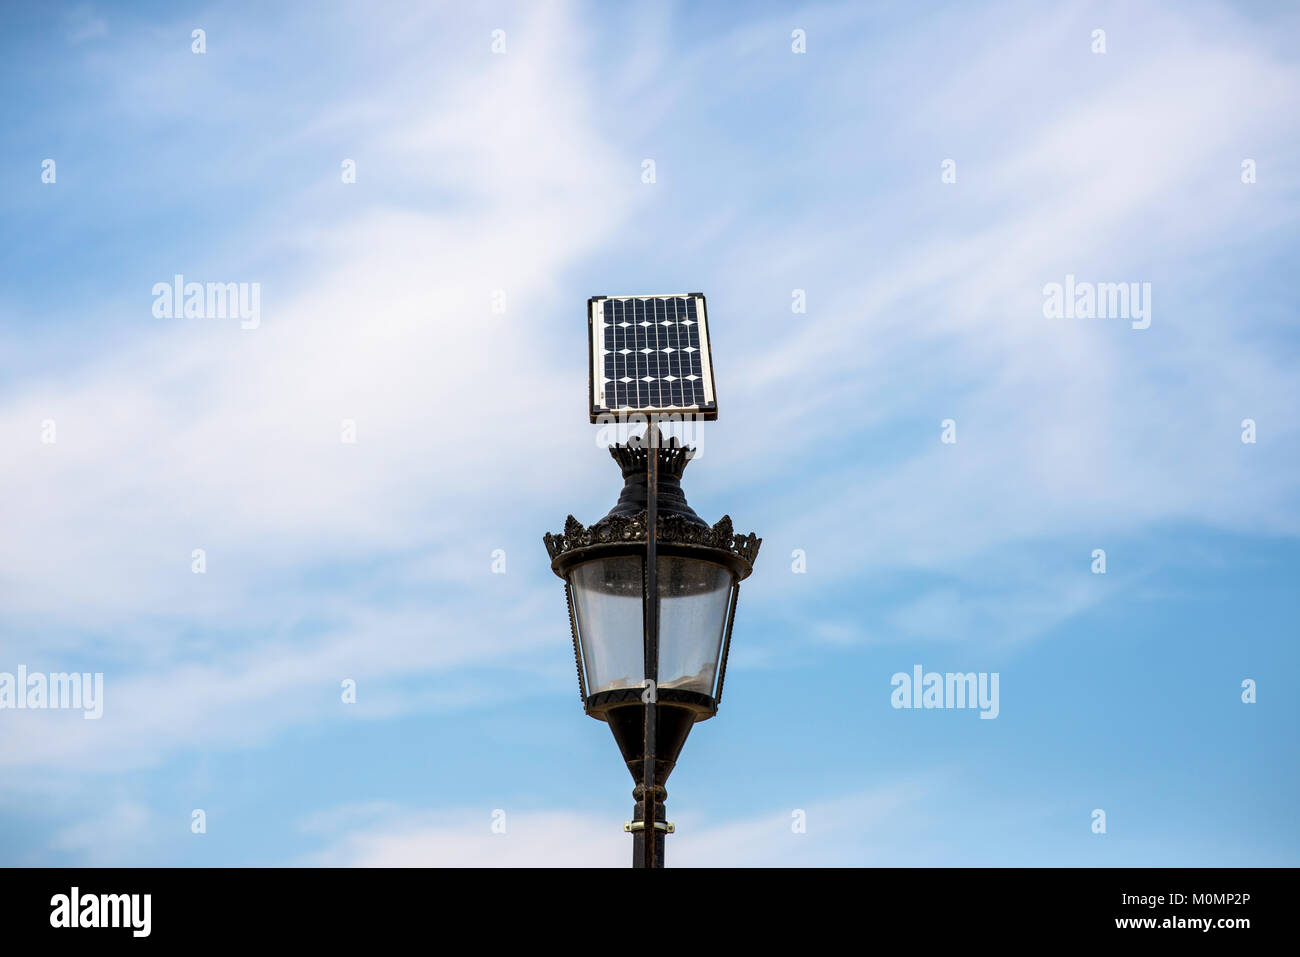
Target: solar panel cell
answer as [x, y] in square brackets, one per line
[650, 354]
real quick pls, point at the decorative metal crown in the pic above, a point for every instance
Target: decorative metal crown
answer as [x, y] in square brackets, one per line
[673, 530]
[673, 456]
[678, 524]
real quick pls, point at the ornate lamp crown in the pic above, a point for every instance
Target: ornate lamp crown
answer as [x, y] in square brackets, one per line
[632, 459]
[678, 523]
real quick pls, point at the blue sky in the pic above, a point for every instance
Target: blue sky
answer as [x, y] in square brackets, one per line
[775, 171]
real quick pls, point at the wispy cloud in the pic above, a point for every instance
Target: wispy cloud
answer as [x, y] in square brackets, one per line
[519, 174]
[870, 828]
[84, 24]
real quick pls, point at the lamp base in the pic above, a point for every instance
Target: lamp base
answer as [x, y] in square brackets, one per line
[672, 725]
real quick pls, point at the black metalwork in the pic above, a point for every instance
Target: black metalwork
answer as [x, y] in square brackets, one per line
[726, 646]
[577, 654]
[692, 700]
[651, 728]
[650, 803]
[565, 548]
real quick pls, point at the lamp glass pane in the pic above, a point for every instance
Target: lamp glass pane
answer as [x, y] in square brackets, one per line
[694, 596]
[607, 604]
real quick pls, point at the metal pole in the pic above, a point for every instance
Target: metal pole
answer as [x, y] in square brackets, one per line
[649, 800]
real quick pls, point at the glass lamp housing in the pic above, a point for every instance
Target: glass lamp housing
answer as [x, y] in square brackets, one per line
[694, 598]
[699, 570]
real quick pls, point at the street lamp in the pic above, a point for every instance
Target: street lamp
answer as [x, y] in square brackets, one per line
[651, 669]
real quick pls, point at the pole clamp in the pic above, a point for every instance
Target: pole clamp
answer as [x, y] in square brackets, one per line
[666, 826]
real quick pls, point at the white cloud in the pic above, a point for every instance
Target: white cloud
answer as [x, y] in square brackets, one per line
[925, 305]
[198, 434]
[84, 24]
[874, 827]
[127, 827]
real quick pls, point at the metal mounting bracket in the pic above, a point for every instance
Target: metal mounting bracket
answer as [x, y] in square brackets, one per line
[667, 827]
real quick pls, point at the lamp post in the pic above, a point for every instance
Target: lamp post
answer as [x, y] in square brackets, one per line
[652, 591]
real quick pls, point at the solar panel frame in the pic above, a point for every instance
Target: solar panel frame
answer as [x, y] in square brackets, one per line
[596, 353]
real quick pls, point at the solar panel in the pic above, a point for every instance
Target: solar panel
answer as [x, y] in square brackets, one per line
[650, 355]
